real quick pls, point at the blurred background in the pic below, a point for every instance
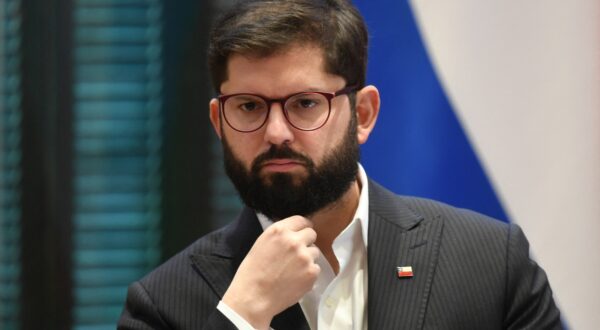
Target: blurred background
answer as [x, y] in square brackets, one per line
[109, 166]
[104, 134]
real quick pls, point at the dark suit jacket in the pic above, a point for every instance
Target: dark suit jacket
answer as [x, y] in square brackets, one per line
[470, 272]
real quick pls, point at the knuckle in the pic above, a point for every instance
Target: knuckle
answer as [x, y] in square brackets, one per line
[306, 257]
[296, 246]
[275, 230]
[314, 270]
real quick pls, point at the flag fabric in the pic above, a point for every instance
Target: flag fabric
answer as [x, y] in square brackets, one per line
[495, 106]
[405, 271]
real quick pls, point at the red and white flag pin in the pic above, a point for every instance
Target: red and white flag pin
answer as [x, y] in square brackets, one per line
[405, 272]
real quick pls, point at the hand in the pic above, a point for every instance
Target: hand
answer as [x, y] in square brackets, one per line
[279, 269]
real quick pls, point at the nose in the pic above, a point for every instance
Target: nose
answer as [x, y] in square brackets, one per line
[278, 130]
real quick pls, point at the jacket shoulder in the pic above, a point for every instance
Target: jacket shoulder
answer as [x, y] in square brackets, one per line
[487, 262]
[180, 263]
[460, 218]
[389, 205]
[175, 295]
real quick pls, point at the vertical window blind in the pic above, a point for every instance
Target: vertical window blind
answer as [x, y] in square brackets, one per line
[10, 160]
[117, 149]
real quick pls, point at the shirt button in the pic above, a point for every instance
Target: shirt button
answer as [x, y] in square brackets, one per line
[329, 302]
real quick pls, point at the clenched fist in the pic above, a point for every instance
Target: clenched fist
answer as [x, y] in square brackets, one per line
[279, 269]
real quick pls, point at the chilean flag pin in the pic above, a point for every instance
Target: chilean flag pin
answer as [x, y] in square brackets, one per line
[405, 272]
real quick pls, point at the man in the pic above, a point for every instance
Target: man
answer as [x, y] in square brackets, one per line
[319, 245]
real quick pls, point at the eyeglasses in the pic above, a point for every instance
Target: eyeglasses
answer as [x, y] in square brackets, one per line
[306, 111]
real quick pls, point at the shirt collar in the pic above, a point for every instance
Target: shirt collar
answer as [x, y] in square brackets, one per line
[362, 211]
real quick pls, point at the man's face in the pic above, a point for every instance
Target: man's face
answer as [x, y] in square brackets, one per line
[279, 170]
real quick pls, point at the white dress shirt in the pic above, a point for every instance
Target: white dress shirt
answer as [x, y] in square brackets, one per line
[335, 302]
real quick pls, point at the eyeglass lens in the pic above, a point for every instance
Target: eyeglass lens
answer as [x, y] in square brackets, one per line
[248, 112]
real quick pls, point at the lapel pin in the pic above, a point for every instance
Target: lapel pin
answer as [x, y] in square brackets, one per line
[405, 272]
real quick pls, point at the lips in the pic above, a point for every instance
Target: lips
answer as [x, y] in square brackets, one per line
[281, 165]
[280, 159]
[280, 162]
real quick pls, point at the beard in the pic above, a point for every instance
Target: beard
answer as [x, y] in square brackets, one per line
[281, 195]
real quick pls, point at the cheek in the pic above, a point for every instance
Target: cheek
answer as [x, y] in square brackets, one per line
[333, 135]
[315, 144]
[244, 146]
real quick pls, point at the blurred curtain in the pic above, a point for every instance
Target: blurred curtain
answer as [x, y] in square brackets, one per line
[108, 163]
[10, 159]
[117, 141]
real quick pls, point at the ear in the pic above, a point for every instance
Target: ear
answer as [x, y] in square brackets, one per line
[215, 116]
[367, 110]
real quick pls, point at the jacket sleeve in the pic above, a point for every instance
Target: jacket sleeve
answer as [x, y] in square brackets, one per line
[141, 313]
[529, 301]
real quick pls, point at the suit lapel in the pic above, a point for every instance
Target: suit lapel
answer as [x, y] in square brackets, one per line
[219, 265]
[399, 237]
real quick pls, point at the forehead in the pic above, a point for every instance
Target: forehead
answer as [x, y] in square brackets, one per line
[293, 69]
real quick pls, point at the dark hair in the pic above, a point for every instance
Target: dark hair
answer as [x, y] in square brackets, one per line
[263, 27]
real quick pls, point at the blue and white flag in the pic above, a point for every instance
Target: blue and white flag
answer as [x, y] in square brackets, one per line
[495, 106]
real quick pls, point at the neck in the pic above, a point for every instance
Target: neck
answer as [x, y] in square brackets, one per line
[332, 220]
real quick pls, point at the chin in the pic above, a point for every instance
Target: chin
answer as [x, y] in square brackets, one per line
[295, 180]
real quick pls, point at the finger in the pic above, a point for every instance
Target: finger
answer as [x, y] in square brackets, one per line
[315, 269]
[307, 236]
[295, 223]
[314, 252]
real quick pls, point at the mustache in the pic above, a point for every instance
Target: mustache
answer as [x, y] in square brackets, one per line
[278, 152]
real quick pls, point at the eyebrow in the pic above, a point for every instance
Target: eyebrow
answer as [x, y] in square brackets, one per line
[309, 89]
